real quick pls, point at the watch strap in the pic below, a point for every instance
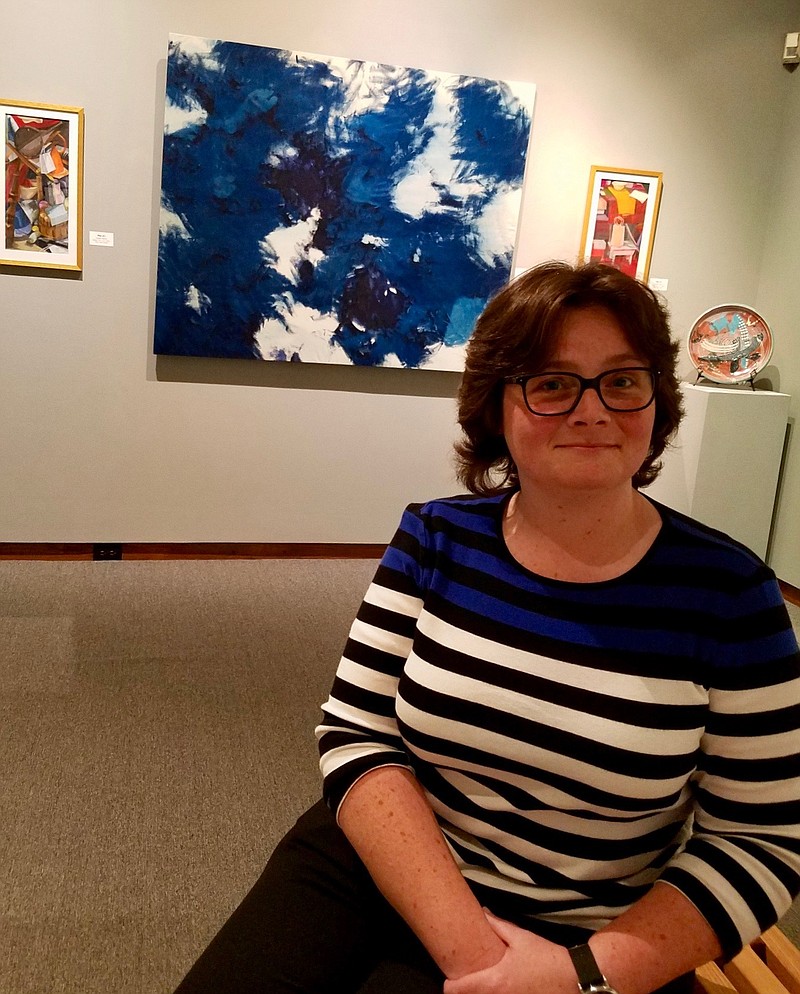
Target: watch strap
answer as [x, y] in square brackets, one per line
[590, 976]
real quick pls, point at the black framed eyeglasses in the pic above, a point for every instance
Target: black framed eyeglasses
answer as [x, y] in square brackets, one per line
[631, 388]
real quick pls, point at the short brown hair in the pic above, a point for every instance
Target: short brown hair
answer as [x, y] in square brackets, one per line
[518, 332]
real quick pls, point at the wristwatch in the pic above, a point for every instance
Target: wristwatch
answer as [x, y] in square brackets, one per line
[590, 977]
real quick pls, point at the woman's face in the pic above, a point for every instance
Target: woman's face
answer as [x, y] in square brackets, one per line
[591, 449]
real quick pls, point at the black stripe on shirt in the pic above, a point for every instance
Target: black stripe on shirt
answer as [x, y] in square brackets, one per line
[709, 906]
[745, 813]
[390, 621]
[378, 660]
[554, 840]
[754, 725]
[648, 714]
[536, 733]
[731, 870]
[364, 700]
[338, 782]
[774, 865]
[579, 789]
[649, 661]
[753, 770]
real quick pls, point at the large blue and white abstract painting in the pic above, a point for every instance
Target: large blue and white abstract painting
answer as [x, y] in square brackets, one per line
[321, 209]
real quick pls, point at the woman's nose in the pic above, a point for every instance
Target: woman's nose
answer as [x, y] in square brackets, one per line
[590, 407]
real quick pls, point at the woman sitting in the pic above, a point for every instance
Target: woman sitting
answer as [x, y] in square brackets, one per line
[561, 749]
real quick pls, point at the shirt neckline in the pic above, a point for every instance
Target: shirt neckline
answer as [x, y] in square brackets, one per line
[500, 509]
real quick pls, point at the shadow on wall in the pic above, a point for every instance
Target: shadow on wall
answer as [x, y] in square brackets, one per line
[308, 376]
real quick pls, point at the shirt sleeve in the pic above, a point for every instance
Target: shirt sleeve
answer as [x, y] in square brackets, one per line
[741, 865]
[359, 731]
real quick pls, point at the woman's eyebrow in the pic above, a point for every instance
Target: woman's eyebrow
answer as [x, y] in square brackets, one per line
[610, 362]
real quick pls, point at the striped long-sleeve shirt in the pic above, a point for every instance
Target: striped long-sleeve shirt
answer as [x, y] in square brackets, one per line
[578, 741]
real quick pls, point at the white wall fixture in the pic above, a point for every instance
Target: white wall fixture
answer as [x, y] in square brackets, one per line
[791, 50]
[724, 466]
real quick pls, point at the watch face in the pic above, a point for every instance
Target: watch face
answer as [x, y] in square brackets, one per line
[730, 344]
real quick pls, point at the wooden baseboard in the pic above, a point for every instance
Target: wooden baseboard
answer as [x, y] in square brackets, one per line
[790, 593]
[189, 550]
[81, 551]
[45, 550]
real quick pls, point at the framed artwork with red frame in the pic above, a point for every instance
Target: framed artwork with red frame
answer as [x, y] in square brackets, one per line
[43, 200]
[619, 226]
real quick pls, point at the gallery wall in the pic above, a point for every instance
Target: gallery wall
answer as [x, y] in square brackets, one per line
[777, 297]
[101, 441]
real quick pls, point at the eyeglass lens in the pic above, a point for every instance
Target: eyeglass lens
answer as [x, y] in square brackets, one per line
[619, 389]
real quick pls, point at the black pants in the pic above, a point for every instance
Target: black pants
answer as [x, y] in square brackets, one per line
[315, 923]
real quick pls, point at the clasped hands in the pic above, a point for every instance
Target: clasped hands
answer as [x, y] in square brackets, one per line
[530, 965]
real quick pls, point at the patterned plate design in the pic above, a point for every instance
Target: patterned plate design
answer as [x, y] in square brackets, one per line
[730, 344]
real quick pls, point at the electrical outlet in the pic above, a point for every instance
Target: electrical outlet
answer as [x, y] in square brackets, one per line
[106, 550]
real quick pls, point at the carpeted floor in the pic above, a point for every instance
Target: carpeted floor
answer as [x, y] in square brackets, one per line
[157, 741]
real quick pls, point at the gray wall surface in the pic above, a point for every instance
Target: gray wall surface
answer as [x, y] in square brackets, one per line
[101, 441]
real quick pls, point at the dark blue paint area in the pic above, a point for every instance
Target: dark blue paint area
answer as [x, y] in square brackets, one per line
[491, 137]
[305, 181]
[279, 142]
[369, 318]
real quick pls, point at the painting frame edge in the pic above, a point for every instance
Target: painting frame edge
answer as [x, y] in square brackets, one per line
[72, 261]
[596, 175]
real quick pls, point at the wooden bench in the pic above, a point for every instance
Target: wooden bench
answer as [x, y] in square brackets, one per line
[771, 965]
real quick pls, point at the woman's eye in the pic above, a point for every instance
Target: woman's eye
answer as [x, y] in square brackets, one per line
[548, 384]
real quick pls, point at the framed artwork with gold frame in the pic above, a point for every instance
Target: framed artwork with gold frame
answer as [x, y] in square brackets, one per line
[43, 167]
[619, 226]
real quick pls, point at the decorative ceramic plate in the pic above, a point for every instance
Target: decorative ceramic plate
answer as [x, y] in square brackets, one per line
[730, 344]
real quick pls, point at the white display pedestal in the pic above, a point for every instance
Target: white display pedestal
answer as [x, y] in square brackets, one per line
[724, 465]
